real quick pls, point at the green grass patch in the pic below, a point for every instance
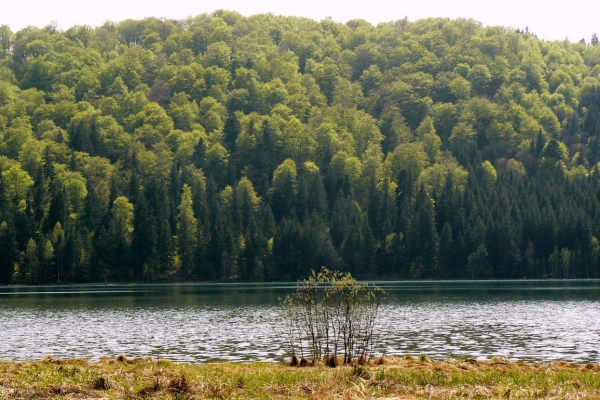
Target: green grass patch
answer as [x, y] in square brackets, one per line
[407, 378]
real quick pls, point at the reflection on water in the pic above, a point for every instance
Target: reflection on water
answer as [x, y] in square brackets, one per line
[525, 320]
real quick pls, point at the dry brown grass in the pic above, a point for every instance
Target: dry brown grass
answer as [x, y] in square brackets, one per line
[384, 377]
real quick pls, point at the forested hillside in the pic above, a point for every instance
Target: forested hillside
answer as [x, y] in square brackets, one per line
[223, 147]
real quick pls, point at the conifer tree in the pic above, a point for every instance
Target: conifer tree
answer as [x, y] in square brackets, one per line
[187, 231]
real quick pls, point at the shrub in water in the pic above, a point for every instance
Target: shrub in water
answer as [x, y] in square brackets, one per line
[331, 314]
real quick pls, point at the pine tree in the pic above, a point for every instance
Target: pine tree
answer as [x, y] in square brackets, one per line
[8, 248]
[187, 231]
[424, 237]
[144, 239]
[447, 257]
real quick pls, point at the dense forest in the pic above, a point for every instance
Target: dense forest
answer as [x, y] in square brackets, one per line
[222, 147]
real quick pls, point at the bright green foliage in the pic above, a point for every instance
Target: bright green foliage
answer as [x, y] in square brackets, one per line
[16, 183]
[283, 192]
[446, 169]
[187, 228]
[123, 217]
[436, 149]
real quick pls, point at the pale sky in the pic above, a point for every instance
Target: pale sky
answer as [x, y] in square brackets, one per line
[548, 19]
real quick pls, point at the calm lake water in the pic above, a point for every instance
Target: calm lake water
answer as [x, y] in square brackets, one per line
[522, 320]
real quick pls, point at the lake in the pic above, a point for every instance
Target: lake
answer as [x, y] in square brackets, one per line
[521, 320]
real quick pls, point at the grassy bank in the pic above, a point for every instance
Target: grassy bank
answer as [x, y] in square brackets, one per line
[400, 378]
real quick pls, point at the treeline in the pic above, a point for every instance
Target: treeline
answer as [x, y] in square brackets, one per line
[229, 148]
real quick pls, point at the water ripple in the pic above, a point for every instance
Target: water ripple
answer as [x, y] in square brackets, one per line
[195, 326]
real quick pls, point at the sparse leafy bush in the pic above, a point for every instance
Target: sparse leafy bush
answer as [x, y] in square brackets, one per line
[330, 315]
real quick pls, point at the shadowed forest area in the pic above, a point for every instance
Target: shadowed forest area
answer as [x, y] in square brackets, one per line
[222, 147]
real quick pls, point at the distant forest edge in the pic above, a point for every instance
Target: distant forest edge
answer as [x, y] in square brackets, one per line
[222, 147]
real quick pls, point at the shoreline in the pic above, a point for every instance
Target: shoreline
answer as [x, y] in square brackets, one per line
[376, 279]
[405, 377]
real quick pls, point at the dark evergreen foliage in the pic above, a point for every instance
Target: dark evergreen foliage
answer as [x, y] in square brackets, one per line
[261, 148]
